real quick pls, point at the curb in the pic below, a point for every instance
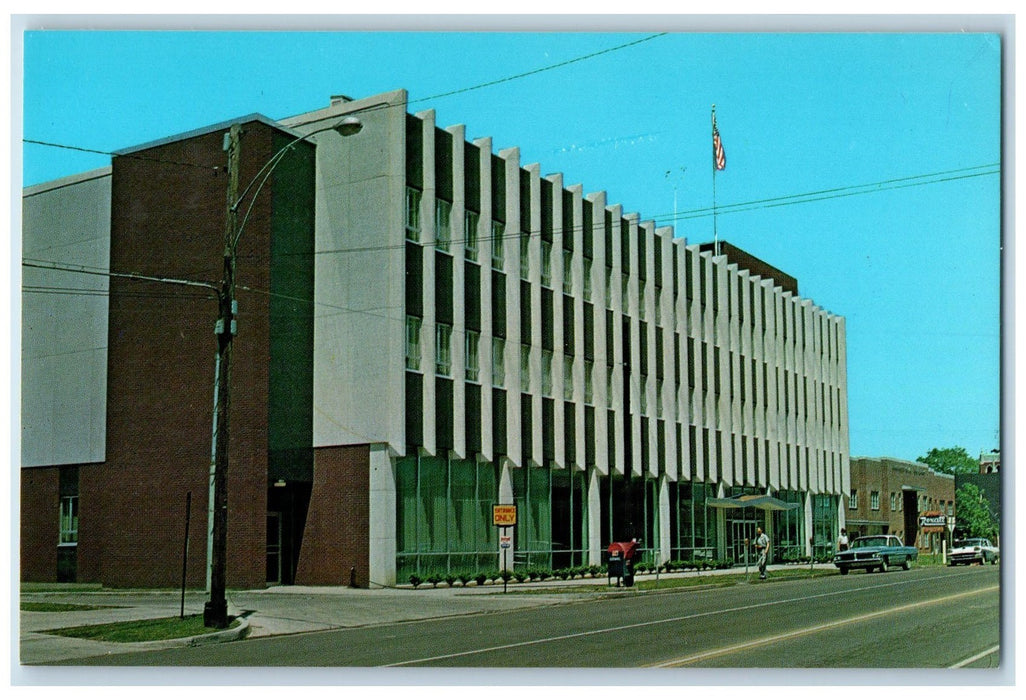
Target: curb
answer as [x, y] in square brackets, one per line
[226, 635]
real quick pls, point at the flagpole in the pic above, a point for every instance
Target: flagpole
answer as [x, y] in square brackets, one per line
[716, 239]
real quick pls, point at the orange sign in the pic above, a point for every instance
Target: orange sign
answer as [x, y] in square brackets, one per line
[504, 515]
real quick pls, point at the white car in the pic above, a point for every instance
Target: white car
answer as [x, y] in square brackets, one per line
[973, 550]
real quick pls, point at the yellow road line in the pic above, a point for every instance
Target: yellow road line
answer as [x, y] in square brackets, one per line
[812, 630]
[977, 657]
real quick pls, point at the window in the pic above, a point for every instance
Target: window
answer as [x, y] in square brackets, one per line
[589, 393]
[587, 279]
[412, 342]
[498, 362]
[470, 221]
[547, 372]
[568, 377]
[568, 272]
[546, 263]
[443, 349]
[659, 398]
[69, 520]
[525, 368]
[525, 256]
[853, 500]
[641, 299]
[412, 214]
[609, 289]
[874, 500]
[498, 243]
[625, 301]
[609, 385]
[443, 225]
[894, 501]
[471, 343]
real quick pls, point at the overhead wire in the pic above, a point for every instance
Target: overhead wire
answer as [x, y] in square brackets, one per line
[374, 108]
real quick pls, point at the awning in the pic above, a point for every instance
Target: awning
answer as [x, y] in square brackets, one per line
[752, 501]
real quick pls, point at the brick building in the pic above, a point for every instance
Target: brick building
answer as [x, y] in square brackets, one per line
[889, 496]
[426, 328]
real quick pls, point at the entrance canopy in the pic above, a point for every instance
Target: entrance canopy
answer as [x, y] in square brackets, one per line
[752, 501]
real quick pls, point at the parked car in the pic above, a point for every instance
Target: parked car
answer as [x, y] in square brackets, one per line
[876, 552]
[973, 550]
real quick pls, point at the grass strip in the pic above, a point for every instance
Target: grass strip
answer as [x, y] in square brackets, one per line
[141, 630]
[28, 606]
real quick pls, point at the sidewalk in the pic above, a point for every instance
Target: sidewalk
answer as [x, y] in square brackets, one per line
[287, 609]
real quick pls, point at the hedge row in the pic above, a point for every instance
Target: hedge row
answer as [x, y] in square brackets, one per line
[540, 574]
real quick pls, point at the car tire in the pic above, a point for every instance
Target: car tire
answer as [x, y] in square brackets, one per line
[844, 571]
[883, 565]
[906, 565]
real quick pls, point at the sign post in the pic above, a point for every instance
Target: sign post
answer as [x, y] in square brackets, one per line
[504, 516]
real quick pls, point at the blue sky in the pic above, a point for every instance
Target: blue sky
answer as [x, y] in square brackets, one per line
[900, 133]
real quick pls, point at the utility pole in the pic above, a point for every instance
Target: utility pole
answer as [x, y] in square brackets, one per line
[215, 612]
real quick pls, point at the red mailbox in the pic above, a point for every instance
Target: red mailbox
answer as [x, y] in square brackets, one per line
[621, 561]
[624, 550]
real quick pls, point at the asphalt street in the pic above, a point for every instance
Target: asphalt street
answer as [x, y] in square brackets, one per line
[935, 618]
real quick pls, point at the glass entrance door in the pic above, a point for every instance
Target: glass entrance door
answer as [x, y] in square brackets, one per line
[740, 530]
[274, 547]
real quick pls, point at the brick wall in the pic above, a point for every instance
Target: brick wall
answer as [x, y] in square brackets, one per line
[168, 221]
[336, 538]
[886, 476]
[40, 502]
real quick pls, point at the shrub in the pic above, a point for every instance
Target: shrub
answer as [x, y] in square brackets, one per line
[464, 578]
[594, 570]
[480, 578]
[520, 575]
[416, 580]
[434, 579]
[505, 575]
[450, 579]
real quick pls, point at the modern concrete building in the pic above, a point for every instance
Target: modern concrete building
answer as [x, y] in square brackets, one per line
[426, 328]
[890, 496]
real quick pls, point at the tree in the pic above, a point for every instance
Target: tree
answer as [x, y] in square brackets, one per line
[973, 514]
[950, 460]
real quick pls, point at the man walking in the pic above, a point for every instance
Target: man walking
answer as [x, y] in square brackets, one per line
[762, 548]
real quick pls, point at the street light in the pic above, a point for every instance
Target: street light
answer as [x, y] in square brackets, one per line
[215, 611]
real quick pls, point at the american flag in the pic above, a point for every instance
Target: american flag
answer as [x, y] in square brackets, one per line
[719, 156]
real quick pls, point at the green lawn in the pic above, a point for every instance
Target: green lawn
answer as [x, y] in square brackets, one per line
[61, 607]
[141, 630]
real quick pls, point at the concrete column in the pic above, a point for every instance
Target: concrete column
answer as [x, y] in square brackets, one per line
[664, 520]
[506, 496]
[382, 500]
[808, 524]
[595, 543]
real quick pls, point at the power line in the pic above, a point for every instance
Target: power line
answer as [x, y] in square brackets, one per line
[133, 156]
[543, 69]
[84, 270]
[375, 108]
[784, 200]
[836, 193]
